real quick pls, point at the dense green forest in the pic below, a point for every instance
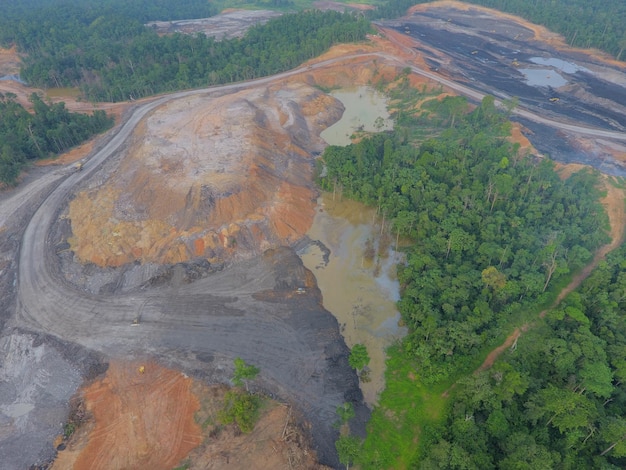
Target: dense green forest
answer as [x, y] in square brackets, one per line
[488, 234]
[555, 400]
[490, 230]
[103, 48]
[111, 56]
[49, 130]
[600, 24]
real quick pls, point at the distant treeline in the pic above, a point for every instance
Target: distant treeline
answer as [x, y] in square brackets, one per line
[103, 47]
[583, 23]
[50, 130]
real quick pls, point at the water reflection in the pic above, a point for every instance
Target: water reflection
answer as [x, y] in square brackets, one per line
[543, 77]
[365, 109]
[563, 65]
[361, 293]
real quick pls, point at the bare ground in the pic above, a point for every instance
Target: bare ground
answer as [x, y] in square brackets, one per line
[350, 72]
[142, 415]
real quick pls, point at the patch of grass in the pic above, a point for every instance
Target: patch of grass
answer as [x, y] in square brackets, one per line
[184, 466]
[617, 181]
[405, 409]
[327, 89]
[241, 408]
[68, 430]
[207, 422]
[410, 413]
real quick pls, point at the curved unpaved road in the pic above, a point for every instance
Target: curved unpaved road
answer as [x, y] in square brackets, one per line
[199, 326]
[297, 344]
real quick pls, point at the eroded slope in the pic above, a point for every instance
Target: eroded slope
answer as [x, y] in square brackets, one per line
[211, 177]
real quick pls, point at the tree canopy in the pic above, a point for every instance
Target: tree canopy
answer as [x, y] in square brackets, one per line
[489, 233]
[490, 230]
[48, 131]
[557, 400]
[111, 56]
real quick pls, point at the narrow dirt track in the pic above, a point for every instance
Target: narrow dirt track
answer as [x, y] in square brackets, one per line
[614, 203]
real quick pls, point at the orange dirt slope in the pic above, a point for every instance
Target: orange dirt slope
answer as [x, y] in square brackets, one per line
[140, 421]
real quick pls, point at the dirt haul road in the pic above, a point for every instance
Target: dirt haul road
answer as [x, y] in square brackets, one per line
[248, 310]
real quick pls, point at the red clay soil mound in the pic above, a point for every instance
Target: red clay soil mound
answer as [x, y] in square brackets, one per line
[140, 420]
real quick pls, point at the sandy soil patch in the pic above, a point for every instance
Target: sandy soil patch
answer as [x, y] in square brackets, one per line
[518, 137]
[9, 61]
[275, 443]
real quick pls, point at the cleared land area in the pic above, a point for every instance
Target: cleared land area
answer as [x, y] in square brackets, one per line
[169, 225]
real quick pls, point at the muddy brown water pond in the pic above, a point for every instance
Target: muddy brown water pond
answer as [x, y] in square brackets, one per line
[361, 293]
[365, 109]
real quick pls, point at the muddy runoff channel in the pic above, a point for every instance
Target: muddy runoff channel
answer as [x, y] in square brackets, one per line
[360, 292]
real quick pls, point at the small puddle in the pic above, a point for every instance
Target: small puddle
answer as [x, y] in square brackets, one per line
[365, 109]
[63, 92]
[562, 65]
[543, 77]
[361, 297]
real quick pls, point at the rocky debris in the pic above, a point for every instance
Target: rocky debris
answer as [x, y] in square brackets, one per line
[36, 383]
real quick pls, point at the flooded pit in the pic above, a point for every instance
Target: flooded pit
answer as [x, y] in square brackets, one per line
[560, 64]
[361, 293]
[365, 109]
[543, 78]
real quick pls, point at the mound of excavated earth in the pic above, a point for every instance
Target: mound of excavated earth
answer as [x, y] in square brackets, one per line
[210, 177]
[142, 415]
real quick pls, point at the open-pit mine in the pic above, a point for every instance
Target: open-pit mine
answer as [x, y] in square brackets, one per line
[174, 248]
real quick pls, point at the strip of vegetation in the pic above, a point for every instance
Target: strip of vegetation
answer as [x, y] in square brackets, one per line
[582, 23]
[490, 231]
[240, 406]
[50, 130]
